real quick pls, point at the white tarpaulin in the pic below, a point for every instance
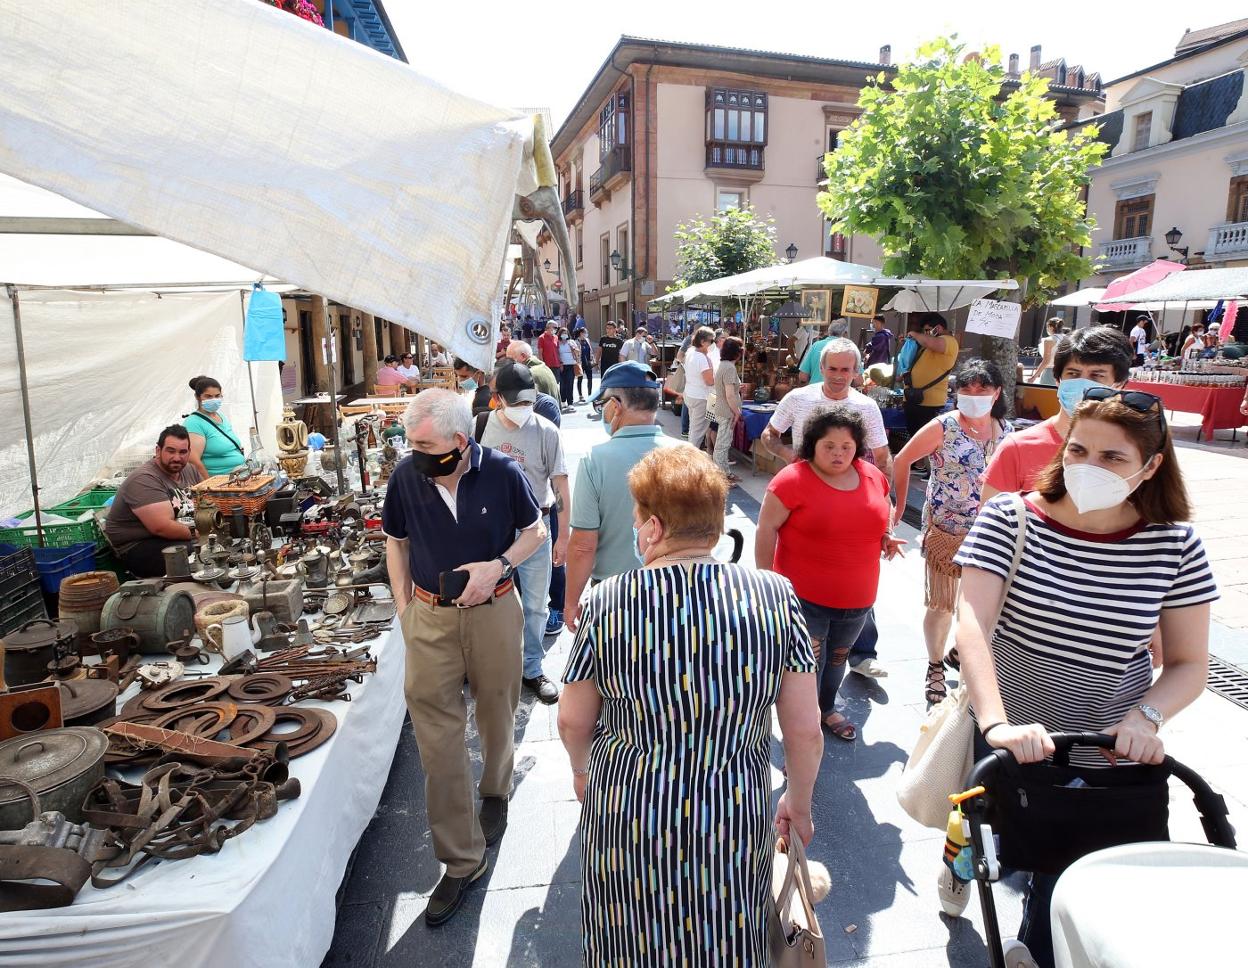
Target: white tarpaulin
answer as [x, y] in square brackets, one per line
[940, 295]
[252, 134]
[107, 371]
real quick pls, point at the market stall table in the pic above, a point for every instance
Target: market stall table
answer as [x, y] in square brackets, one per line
[1217, 406]
[391, 405]
[267, 898]
[754, 420]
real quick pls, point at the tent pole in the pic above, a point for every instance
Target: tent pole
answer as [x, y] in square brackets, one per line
[255, 414]
[331, 354]
[30, 435]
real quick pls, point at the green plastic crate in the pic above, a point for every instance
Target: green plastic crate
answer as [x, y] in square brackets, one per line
[91, 500]
[54, 535]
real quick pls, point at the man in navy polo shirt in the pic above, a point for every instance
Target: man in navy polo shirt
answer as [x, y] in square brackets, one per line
[454, 507]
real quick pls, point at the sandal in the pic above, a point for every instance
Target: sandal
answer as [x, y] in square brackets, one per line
[841, 728]
[952, 661]
[934, 689]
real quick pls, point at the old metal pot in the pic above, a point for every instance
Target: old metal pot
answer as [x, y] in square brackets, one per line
[82, 598]
[85, 702]
[28, 651]
[62, 765]
[159, 615]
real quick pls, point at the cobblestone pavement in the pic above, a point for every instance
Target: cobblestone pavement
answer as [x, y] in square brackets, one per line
[883, 911]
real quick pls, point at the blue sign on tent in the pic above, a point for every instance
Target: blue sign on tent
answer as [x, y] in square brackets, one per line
[263, 335]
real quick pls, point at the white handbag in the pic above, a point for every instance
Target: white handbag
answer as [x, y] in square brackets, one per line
[942, 757]
[795, 938]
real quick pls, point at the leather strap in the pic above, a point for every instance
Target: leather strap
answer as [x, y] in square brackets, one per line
[429, 598]
[21, 865]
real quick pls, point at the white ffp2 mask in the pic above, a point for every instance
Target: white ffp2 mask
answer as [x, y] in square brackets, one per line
[1094, 488]
[971, 405]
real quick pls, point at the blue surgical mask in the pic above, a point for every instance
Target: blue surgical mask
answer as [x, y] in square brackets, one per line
[210, 406]
[1070, 393]
[469, 385]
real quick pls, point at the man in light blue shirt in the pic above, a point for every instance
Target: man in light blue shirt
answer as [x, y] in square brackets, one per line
[602, 505]
[809, 371]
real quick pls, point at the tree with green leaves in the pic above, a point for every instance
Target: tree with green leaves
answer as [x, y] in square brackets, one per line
[961, 173]
[724, 244]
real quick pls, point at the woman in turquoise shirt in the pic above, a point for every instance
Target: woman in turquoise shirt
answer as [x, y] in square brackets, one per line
[215, 448]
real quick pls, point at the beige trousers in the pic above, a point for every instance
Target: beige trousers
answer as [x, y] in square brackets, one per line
[486, 644]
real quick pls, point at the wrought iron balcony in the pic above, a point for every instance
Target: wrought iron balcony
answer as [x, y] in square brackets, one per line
[1227, 242]
[1125, 253]
[574, 204]
[727, 154]
[616, 167]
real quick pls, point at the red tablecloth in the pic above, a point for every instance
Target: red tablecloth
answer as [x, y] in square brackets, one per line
[1217, 406]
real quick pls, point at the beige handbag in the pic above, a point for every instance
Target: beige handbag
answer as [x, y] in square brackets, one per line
[796, 940]
[942, 757]
[676, 378]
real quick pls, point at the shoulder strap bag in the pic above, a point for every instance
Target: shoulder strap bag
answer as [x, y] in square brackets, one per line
[914, 395]
[219, 429]
[942, 757]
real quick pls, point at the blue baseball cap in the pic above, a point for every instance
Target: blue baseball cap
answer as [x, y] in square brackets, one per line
[627, 375]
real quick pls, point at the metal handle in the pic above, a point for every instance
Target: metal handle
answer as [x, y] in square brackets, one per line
[38, 621]
[25, 746]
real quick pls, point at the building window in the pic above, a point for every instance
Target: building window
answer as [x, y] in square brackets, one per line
[613, 124]
[605, 259]
[1133, 218]
[1143, 130]
[834, 138]
[1237, 204]
[621, 244]
[580, 246]
[725, 200]
[736, 128]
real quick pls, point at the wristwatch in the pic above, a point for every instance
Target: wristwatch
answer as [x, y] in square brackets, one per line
[1152, 714]
[508, 568]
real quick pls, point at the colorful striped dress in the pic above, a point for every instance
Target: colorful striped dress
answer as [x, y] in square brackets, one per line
[676, 829]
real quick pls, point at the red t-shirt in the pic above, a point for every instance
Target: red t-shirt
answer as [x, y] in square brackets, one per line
[548, 346]
[829, 547]
[1022, 456]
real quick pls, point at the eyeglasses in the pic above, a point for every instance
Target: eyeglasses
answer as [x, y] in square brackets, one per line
[1137, 400]
[600, 403]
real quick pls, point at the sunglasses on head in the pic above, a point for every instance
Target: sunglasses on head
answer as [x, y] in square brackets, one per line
[1136, 400]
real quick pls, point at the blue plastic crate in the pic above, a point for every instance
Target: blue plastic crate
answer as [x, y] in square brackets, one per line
[57, 564]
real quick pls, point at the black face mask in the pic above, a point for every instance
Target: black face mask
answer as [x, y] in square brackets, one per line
[437, 465]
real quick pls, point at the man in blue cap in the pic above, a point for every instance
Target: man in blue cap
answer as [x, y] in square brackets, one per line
[602, 506]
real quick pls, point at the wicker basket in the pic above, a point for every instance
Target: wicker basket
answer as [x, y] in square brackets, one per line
[249, 496]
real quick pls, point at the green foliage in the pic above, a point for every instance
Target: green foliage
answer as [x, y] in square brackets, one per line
[724, 244]
[959, 178]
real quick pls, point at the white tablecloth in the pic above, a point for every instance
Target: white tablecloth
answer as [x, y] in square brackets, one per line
[267, 899]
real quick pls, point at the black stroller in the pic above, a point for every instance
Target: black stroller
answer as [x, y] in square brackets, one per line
[1048, 815]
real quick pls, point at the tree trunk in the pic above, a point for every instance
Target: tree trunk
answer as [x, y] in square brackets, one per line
[1004, 353]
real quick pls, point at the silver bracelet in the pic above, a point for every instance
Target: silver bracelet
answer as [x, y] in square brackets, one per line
[584, 772]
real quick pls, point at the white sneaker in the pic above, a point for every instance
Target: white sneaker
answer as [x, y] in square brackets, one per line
[954, 893]
[868, 667]
[1017, 955]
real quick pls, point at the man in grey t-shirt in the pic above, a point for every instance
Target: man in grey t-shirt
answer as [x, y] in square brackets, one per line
[143, 519]
[533, 442]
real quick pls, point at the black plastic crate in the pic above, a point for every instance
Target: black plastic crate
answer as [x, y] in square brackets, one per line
[15, 563]
[22, 606]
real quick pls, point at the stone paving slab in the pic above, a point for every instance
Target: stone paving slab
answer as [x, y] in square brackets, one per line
[883, 911]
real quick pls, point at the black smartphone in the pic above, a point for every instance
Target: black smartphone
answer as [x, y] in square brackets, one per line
[451, 584]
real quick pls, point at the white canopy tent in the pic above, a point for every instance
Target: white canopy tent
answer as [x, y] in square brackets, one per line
[1081, 298]
[1190, 287]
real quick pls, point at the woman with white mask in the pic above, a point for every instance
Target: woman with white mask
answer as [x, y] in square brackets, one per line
[959, 444]
[1106, 560]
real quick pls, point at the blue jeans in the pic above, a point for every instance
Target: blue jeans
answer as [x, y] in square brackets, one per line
[534, 576]
[864, 648]
[684, 419]
[837, 629]
[558, 577]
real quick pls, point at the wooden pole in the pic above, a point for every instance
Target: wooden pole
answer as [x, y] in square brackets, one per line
[319, 333]
[30, 435]
[370, 352]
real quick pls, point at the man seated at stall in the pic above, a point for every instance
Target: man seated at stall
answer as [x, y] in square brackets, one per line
[153, 508]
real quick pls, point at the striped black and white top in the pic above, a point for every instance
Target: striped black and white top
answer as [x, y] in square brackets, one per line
[676, 829]
[1071, 647]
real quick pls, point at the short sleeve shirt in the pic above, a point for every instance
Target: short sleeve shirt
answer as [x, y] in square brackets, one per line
[1022, 456]
[147, 486]
[609, 346]
[697, 363]
[601, 500]
[929, 366]
[810, 362]
[493, 501]
[799, 405]
[535, 447]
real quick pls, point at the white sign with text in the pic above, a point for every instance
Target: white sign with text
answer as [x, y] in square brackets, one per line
[992, 317]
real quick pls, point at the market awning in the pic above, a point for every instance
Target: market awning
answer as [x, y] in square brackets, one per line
[1129, 285]
[939, 295]
[1195, 284]
[1084, 297]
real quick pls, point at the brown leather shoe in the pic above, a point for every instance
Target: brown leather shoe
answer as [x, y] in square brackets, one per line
[449, 895]
[493, 818]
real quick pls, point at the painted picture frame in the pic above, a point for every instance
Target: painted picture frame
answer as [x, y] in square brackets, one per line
[818, 303]
[859, 301]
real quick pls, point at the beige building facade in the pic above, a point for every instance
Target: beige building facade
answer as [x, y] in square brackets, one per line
[1178, 160]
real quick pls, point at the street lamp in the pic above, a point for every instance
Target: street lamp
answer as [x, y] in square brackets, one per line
[621, 266]
[791, 251]
[1172, 240]
[546, 265]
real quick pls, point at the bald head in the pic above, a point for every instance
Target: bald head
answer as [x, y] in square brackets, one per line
[519, 350]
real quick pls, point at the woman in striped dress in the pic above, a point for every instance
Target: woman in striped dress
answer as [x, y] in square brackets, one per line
[1106, 561]
[667, 720]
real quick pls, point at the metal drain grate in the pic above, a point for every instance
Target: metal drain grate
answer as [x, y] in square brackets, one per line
[1228, 681]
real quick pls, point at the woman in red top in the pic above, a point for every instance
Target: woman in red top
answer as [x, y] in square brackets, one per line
[824, 526]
